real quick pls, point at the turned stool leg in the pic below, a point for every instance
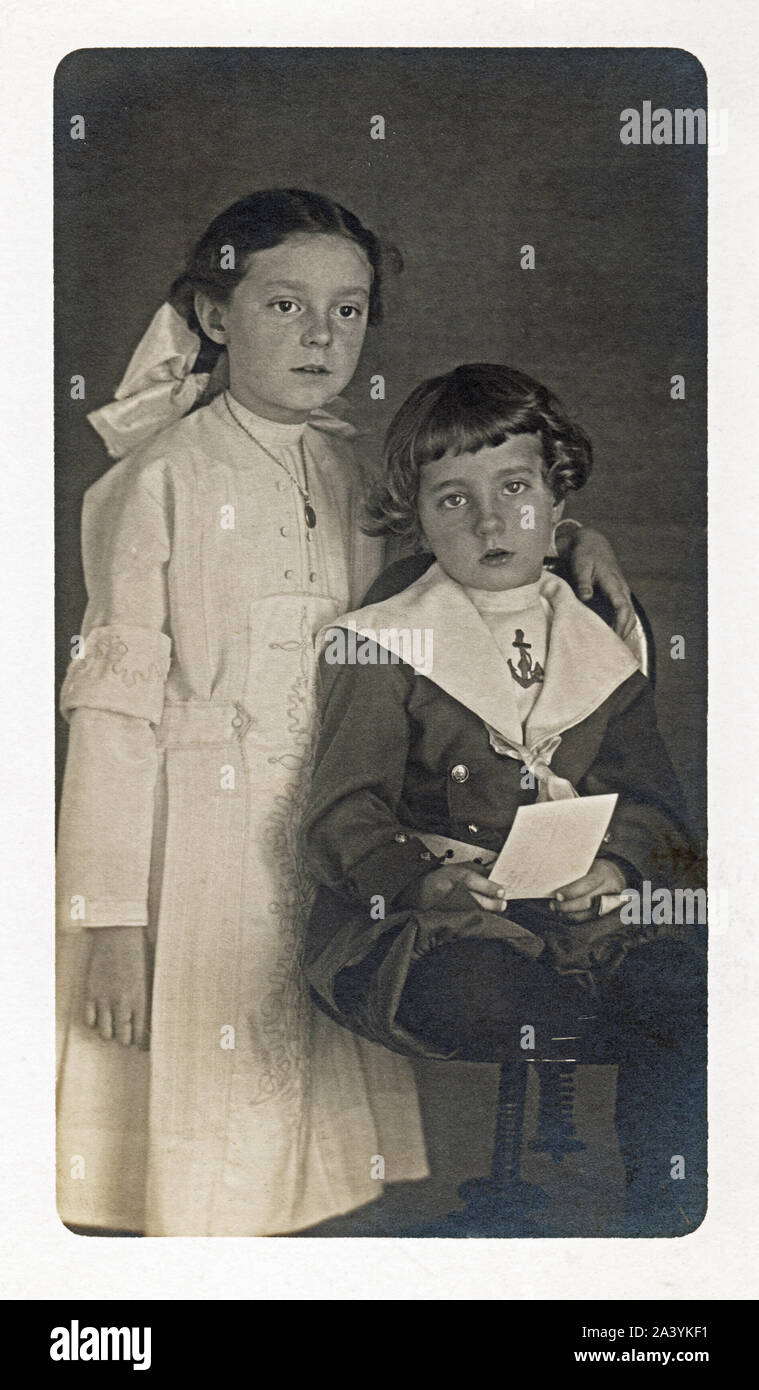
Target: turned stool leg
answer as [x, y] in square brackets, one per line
[509, 1123]
[556, 1127]
[504, 1204]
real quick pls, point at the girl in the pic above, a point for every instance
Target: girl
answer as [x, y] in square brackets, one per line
[213, 554]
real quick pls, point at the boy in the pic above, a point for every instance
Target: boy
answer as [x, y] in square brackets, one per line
[518, 693]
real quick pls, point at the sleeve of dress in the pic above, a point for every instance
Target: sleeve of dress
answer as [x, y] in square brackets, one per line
[113, 697]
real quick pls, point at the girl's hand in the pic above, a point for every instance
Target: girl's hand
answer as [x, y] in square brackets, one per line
[578, 901]
[118, 985]
[429, 891]
[592, 561]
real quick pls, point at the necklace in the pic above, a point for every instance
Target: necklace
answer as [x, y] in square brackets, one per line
[308, 509]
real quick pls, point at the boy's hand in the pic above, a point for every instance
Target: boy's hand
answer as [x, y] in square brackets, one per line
[578, 901]
[592, 561]
[118, 985]
[429, 891]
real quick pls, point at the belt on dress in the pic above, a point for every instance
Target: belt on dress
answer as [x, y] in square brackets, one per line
[197, 722]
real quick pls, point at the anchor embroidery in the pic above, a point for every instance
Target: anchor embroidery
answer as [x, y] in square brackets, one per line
[527, 674]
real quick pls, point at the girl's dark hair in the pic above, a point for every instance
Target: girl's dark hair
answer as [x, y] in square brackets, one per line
[477, 406]
[260, 221]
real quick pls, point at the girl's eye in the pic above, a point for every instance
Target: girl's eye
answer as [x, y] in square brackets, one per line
[514, 488]
[285, 306]
[349, 311]
[453, 501]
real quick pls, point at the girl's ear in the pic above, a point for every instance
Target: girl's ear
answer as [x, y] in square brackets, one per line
[558, 510]
[211, 317]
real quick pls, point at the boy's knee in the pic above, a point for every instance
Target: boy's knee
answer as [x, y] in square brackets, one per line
[475, 996]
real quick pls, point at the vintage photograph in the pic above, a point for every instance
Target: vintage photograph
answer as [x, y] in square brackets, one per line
[381, 642]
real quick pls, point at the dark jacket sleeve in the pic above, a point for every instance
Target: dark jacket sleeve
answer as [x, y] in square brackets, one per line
[649, 828]
[352, 838]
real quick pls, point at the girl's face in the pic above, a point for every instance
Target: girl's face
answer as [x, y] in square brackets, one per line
[487, 517]
[295, 324]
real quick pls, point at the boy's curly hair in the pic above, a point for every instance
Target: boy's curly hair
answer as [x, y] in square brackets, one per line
[476, 406]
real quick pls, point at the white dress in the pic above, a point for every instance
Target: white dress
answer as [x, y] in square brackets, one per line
[192, 717]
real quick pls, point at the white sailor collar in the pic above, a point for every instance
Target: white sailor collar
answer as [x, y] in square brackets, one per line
[585, 662]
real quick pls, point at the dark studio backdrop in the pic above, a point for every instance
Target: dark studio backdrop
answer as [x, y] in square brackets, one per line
[485, 150]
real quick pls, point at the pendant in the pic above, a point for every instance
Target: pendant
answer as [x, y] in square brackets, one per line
[310, 516]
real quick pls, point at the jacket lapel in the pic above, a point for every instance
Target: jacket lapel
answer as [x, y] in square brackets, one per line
[465, 663]
[586, 660]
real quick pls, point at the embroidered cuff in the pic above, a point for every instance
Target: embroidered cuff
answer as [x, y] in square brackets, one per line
[123, 669]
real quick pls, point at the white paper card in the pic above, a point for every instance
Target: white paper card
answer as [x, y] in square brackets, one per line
[552, 843]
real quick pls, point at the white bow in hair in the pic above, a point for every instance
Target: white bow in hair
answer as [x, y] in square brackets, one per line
[158, 387]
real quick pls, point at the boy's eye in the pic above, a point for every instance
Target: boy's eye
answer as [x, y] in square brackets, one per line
[453, 501]
[285, 306]
[349, 311]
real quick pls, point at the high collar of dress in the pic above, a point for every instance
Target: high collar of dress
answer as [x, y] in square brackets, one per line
[274, 434]
[271, 433]
[586, 661]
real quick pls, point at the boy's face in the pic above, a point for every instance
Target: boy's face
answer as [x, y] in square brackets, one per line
[295, 324]
[487, 517]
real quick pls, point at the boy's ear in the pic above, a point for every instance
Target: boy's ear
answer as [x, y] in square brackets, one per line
[211, 317]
